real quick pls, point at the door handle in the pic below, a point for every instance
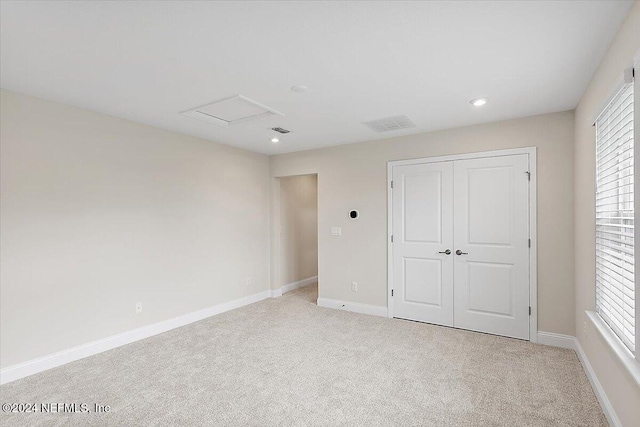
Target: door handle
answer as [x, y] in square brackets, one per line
[459, 252]
[447, 252]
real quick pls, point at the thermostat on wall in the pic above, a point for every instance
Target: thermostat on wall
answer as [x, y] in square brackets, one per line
[354, 214]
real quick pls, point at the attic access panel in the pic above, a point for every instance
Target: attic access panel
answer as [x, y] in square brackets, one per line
[232, 111]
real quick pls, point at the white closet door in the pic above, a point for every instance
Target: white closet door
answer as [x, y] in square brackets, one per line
[491, 220]
[422, 232]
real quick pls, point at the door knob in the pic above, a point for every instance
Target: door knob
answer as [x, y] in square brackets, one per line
[447, 252]
[459, 252]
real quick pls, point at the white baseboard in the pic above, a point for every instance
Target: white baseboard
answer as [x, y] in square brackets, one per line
[572, 343]
[567, 341]
[557, 340]
[355, 307]
[275, 293]
[299, 284]
[21, 370]
[605, 404]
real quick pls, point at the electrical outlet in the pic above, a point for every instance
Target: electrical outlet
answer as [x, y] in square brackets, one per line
[336, 231]
[248, 281]
[354, 286]
[138, 307]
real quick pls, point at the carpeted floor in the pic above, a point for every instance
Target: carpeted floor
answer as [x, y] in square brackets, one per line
[287, 362]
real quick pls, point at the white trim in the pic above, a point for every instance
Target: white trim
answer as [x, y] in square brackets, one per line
[533, 233]
[375, 310]
[533, 252]
[621, 352]
[275, 293]
[619, 83]
[389, 242]
[636, 172]
[465, 156]
[605, 404]
[557, 340]
[572, 343]
[21, 370]
[299, 284]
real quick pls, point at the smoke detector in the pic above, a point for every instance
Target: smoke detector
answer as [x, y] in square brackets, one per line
[387, 124]
[232, 111]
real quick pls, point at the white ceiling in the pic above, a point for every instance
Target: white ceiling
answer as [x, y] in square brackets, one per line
[148, 61]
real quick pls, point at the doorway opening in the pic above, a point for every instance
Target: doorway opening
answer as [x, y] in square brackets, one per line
[296, 232]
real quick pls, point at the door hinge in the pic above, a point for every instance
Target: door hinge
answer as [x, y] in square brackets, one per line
[528, 175]
[529, 242]
[391, 292]
[392, 238]
[529, 310]
[391, 184]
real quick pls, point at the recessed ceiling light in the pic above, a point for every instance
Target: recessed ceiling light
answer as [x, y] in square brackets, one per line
[299, 88]
[478, 102]
[274, 140]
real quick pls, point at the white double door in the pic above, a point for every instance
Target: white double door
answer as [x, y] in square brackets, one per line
[461, 244]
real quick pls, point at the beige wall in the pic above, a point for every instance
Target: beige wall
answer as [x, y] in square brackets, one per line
[99, 213]
[354, 177]
[298, 228]
[622, 391]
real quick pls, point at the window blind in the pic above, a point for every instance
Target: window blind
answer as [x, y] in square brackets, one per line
[615, 284]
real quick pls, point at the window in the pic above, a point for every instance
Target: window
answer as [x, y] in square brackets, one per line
[615, 284]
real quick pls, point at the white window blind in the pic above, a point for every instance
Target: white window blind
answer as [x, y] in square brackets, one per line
[615, 284]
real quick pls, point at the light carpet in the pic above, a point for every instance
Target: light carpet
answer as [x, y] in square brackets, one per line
[288, 362]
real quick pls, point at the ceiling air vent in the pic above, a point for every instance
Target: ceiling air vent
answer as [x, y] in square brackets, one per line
[281, 130]
[232, 111]
[387, 124]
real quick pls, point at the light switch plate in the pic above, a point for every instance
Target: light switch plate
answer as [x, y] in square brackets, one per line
[336, 231]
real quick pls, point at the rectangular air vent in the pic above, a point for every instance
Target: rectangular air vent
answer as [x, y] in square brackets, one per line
[387, 124]
[232, 111]
[281, 130]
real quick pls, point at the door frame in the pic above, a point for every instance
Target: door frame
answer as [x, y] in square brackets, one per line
[533, 235]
